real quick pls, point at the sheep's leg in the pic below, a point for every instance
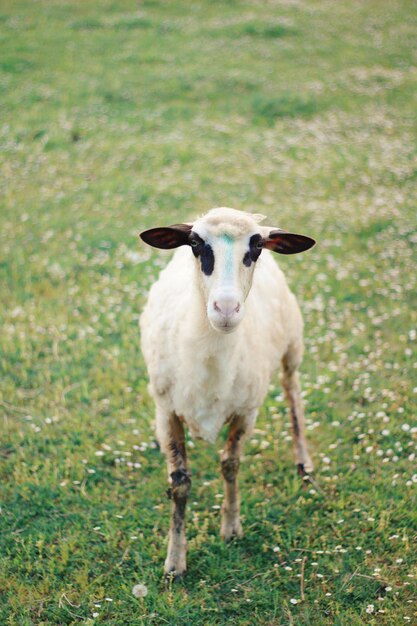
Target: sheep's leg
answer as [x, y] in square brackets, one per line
[291, 385]
[180, 484]
[230, 461]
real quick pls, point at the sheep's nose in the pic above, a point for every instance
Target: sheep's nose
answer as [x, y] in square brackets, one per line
[226, 308]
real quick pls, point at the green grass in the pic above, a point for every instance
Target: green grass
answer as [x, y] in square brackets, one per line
[121, 115]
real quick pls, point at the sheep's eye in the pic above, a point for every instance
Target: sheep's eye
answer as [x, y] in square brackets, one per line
[195, 241]
[196, 244]
[255, 248]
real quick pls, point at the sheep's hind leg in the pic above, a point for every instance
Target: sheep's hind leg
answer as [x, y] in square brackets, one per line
[180, 484]
[230, 461]
[291, 385]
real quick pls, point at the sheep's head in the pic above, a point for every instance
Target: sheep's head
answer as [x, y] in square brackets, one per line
[226, 245]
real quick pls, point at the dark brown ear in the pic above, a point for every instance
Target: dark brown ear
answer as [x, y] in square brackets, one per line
[287, 243]
[167, 237]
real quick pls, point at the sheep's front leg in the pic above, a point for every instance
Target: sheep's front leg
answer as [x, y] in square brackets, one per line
[230, 461]
[291, 385]
[180, 484]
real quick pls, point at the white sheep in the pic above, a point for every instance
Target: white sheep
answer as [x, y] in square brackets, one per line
[217, 324]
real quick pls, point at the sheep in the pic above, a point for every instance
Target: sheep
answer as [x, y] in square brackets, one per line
[217, 323]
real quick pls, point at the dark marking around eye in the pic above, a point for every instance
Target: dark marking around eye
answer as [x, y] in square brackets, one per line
[207, 260]
[255, 249]
[204, 251]
[247, 259]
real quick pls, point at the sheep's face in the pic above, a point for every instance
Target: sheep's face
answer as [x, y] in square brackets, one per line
[226, 245]
[225, 267]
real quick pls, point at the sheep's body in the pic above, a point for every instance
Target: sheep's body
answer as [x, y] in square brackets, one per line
[214, 330]
[203, 376]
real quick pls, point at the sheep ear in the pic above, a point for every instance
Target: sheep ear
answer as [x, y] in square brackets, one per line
[287, 243]
[167, 237]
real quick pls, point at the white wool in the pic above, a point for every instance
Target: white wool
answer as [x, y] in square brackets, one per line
[203, 376]
[224, 220]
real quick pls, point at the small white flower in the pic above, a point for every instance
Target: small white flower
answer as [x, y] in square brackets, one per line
[140, 591]
[134, 257]
[294, 601]
[370, 608]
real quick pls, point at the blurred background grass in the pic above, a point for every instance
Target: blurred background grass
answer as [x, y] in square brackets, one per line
[120, 115]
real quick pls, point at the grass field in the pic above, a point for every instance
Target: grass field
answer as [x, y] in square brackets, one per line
[119, 115]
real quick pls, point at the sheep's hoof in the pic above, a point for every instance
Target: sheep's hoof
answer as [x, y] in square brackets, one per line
[308, 478]
[231, 530]
[305, 471]
[302, 472]
[173, 576]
